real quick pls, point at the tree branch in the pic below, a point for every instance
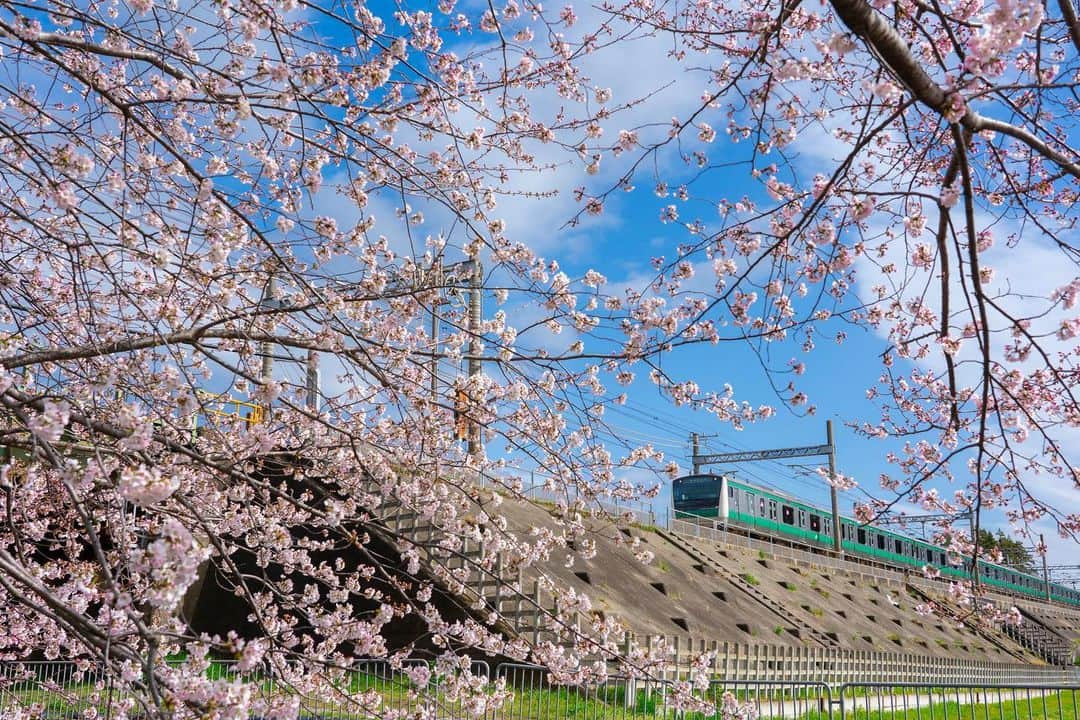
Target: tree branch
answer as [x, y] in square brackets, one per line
[889, 47]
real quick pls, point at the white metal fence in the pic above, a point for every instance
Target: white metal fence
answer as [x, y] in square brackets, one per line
[372, 689]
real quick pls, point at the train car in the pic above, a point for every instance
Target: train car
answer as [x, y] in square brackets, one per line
[727, 499]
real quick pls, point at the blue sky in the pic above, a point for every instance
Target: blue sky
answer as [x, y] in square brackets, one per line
[621, 243]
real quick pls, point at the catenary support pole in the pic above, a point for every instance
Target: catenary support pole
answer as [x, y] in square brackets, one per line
[695, 450]
[436, 282]
[268, 298]
[1046, 571]
[837, 544]
[311, 381]
[475, 309]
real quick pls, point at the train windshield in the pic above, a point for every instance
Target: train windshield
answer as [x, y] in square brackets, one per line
[696, 492]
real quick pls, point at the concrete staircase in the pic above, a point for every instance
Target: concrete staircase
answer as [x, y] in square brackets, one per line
[961, 616]
[498, 595]
[1041, 640]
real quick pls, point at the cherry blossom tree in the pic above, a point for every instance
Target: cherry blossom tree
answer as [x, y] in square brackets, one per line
[194, 191]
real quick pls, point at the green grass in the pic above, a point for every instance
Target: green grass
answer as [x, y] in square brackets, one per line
[750, 579]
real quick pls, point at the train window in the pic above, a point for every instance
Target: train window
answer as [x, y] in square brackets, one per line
[802, 518]
[880, 542]
[787, 514]
[898, 547]
[861, 533]
[772, 510]
[815, 523]
[761, 507]
[730, 491]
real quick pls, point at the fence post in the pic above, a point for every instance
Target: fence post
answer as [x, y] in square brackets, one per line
[536, 613]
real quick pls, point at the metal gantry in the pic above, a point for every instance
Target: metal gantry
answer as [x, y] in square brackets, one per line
[828, 449]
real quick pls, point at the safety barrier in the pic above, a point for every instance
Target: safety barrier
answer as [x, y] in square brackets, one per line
[917, 701]
[230, 409]
[372, 689]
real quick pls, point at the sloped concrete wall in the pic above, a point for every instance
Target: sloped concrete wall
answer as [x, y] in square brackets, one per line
[693, 593]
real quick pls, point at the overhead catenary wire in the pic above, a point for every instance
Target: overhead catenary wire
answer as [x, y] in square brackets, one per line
[777, 469]
[782, 475]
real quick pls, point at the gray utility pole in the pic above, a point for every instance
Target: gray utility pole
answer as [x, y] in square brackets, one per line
[468, 274]
[475, 310]
[311, 363]
[268, 301]
[695, 450]
[436, 283]
[311, 381]
[828, 449]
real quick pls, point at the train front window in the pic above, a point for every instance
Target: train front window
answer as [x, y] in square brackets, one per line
[697, 492]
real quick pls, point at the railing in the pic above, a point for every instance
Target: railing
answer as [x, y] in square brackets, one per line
[886, 701]
[229, 408]
[371, 689]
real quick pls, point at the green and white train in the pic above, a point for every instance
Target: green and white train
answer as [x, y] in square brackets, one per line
[768, 512]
